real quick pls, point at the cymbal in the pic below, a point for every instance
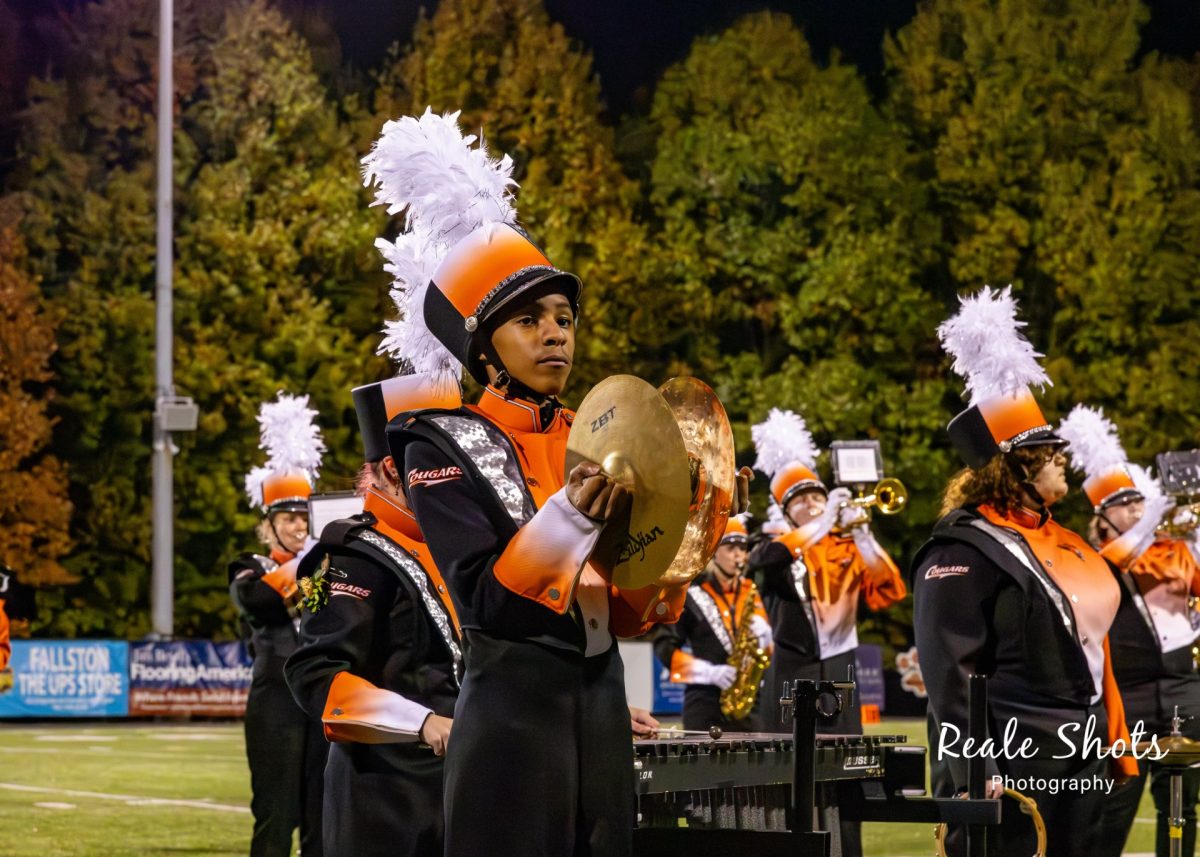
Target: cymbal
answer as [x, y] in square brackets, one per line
[1180, 751]
[709, 441]
[626, 427]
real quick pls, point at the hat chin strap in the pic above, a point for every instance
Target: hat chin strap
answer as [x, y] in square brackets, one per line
[1026, 480]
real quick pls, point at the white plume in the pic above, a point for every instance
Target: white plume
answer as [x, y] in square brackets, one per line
[288, 433]
[426, 167]
[1147, 485]
[987, 346]
[1095, 446]
[781, 439]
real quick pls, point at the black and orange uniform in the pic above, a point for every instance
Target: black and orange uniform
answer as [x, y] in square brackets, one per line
[708, 628]
[6, 581]
[1151, 642]
[1029, 604]
[380, 646]
[538, 762]
[285, 749]
[812, 598]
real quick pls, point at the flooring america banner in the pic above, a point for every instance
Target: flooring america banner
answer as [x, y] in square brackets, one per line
[188, 678]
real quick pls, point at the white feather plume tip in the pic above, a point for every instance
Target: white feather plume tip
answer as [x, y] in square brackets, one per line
[989, 352]
[1095, 446]
[1148, 485]
[775, 524]
[288, 433]
[781, 439]
[427, 167]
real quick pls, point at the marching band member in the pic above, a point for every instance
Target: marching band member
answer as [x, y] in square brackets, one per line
[1152, 636]
[813, 573]
[1002, 590]
[539, 760]
[284, 748]
[380, 646]
[6, 679]
[709, 627]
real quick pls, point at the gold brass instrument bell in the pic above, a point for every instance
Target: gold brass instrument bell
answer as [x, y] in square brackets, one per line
[889, 496]
[672, 449]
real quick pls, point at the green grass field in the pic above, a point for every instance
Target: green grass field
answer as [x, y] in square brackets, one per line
[68, 790]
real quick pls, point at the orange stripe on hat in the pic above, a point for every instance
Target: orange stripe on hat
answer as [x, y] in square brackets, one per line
[286, 486]
[735, 530]
[1011, 415]
[480, 262]
[417, 392]
[791, 475]
[1100, 488]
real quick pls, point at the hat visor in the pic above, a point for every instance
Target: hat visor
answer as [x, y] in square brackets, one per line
[288, 504]
[800, 488]
[1044, 436]
[1120, 498]
[542, 283]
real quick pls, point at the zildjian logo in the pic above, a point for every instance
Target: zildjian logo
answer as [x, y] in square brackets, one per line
[637, 544]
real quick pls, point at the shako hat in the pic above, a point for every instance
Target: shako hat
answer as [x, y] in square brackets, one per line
[1096, 452]
[787, 454]
[999, 366]
[292, 441]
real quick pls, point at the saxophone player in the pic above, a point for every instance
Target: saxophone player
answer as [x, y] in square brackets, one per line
[709, 626]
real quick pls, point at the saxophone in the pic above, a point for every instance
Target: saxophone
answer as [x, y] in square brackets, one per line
[749, 659]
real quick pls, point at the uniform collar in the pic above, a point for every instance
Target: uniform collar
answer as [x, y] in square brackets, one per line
[391, 514]
[519, 414]
[1028, 518]
[281, 556]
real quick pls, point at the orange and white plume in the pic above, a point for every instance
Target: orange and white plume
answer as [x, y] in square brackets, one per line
[782, 439]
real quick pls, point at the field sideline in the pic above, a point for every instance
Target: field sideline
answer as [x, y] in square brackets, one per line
[69, 790]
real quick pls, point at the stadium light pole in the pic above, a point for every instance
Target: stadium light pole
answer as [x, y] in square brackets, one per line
[162, 578]
[171, 412]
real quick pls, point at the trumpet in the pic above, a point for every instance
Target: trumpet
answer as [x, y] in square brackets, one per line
[1181, 521]
[889, 497]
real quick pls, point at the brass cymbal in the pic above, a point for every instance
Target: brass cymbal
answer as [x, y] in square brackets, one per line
[709, 441]
[1180, 751]
[626, 427]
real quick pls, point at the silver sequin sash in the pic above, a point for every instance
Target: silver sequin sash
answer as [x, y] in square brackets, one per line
[494, 458]
[712, 615]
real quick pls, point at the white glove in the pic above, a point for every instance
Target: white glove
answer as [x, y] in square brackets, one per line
[706, 672]
[761, 628]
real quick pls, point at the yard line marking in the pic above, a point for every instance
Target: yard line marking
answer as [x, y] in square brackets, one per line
[80, 738]
[130, 754]
[53, 804]
[132, 800]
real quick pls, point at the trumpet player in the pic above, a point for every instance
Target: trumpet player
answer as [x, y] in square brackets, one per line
[1152, 637]
[813, 574]
[538, 761]
[285, 749]
[697, 648]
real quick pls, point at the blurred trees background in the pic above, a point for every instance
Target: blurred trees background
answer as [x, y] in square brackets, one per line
[767, 223]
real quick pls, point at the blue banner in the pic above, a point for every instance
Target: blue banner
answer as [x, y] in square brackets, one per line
[67, 678]
[668, 696]
[868, 673]
[188, 677]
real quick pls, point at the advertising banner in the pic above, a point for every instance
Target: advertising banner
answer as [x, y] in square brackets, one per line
[188, 678]
[67, 678]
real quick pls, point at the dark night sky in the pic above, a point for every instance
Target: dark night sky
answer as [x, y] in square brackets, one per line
[633, 41]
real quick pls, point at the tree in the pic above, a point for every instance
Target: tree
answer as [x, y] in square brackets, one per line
[275, 275]
[793, 247]
[34, 509]
[532, 93]
[1059, 164]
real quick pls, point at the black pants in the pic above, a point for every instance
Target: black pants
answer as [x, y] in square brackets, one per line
[539, 763]
[286, 752]
[383, 800]
[1120, 809]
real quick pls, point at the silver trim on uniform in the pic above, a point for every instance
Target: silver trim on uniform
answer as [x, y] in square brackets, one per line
[412, 569]
[1019, 549]
[712, 615]
[495, 461]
